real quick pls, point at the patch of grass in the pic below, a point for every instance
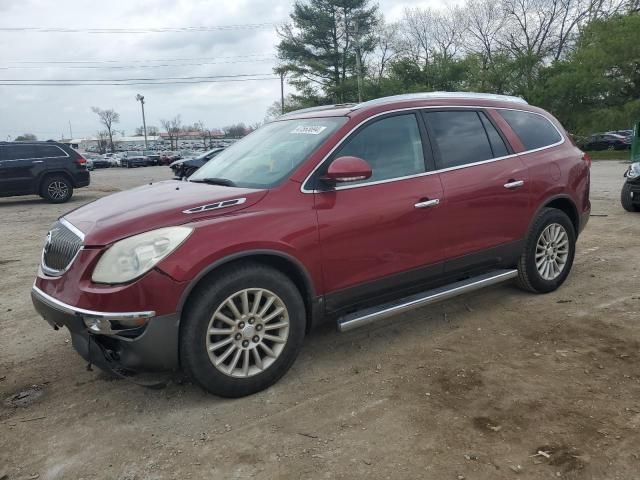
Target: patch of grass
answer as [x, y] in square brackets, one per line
[620, 155]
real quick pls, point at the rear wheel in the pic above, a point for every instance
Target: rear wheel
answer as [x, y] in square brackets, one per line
[626, 199]
[549, 251]
[242, 330]
[56, 189]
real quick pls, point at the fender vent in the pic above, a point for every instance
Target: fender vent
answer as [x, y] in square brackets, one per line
[216, 206]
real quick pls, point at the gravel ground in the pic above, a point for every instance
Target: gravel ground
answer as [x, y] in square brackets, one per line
[472, 388]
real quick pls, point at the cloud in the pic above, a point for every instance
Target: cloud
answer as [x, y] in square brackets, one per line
[47, 110]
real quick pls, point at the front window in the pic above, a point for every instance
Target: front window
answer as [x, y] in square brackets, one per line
[270, 154]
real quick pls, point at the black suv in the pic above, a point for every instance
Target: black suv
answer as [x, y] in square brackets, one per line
[49, 169]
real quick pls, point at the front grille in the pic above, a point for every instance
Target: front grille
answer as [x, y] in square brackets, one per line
[61, 247]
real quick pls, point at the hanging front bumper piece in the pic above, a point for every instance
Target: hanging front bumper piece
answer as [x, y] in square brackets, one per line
[135, 340]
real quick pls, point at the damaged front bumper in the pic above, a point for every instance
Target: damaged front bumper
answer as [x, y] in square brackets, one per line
[133, 340]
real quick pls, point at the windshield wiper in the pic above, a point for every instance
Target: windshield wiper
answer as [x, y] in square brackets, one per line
[215, 181]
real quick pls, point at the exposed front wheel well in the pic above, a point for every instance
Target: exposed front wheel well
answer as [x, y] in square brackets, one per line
[280, 263]
[568, 207]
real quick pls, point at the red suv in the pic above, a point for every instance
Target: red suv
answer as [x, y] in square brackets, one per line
[345, 213]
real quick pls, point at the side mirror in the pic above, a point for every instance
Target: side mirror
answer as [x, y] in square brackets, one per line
[347, 169]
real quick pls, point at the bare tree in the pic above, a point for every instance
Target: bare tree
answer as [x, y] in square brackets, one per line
[417, 34]
[102, 138]
[107, 118]
[386, 49]
[483, 21]
[448, 27]
[172, 127]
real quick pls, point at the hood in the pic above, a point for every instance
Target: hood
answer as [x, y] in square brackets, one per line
[157, 205]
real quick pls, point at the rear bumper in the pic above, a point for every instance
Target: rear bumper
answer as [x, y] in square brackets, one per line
[153, 346]
[82, 179]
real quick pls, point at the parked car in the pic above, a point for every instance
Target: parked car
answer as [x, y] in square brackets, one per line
[348, 214]
[630, 195]
[607, 141]
[622, 133]
[134, 161]
[49, 169]
[153, 159]
[101, 162]
[185, 167]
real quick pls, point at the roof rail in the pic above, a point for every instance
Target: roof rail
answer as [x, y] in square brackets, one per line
[439, 95]
[319, 108]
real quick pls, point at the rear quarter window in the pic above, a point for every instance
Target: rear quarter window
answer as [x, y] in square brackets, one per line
[534, 131]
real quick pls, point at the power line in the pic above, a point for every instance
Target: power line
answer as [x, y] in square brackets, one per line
[2, 82]
[131, 67]
[210, 28]
[54, 80]
[139, 60]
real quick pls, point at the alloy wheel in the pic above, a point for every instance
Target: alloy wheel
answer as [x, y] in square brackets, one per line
[247, 332]
[552, 251]
[58, 190]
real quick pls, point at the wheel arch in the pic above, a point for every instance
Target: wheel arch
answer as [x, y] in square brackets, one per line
[565, 204]
[54, 173]
[283, 262]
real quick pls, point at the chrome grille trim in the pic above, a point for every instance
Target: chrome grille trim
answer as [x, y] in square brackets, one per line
[215, 206]
[64, 242]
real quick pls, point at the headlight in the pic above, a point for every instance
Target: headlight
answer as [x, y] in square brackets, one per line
[134, 256]
[634, 170]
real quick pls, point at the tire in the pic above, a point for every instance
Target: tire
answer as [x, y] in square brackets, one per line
[627, 200]
[198, 350]
[551, 228]
[56, 189]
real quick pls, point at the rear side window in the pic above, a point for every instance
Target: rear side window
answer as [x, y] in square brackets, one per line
[534, 131]
[392, 147]
[21, 152]
[460, 137]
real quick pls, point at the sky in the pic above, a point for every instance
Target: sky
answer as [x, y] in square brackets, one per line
[225, 46]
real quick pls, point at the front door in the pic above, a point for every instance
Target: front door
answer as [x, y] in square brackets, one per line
[382, 235]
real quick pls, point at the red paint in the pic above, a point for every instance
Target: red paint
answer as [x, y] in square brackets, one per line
[342, 237]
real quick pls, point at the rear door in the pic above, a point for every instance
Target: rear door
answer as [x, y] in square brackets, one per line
[485, 188]
[381, 236]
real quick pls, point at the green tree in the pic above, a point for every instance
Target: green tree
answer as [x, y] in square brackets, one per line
[26, 137]
[318, 50]
[598, 86]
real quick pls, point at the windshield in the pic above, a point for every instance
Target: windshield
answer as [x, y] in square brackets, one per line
[270, 154]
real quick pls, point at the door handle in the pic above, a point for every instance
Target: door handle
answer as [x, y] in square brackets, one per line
[428, 203]
[514, 184]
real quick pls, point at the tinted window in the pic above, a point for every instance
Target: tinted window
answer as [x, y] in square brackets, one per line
[44, 151]
[392, 147]
[534, 131]
[497, 144]
[460, 138]
[18, 152]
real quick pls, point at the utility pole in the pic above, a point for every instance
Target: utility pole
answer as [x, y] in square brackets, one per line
[282, 92]
[70, 131]
[356, 38]
[140, 98]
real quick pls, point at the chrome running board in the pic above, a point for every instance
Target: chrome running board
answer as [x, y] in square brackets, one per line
[379, 312]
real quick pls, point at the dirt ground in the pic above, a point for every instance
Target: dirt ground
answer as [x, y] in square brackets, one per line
[470, 389]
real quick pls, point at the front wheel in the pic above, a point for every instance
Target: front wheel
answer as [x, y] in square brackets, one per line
[549, 250]
[626, 199]
[242, 330]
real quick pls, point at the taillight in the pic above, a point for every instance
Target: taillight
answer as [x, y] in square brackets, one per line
[81, 161]
[586, 158]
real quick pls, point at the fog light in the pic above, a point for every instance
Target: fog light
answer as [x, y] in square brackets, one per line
[98, 325]
[105, 326]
